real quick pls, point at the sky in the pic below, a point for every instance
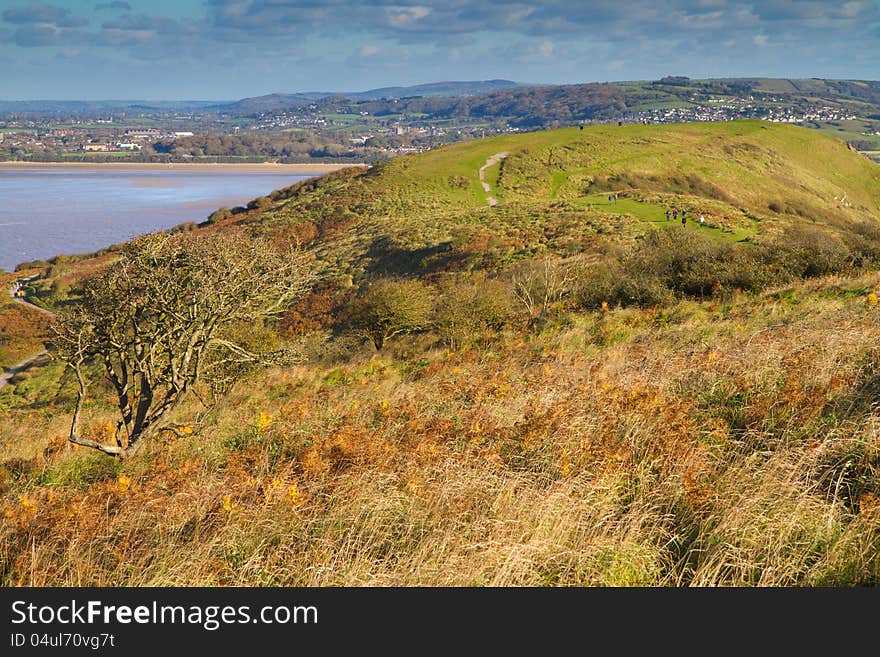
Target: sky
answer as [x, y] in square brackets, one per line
[229, 49]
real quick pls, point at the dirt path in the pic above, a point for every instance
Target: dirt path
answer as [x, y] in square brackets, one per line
[495, 159]
[6, 376]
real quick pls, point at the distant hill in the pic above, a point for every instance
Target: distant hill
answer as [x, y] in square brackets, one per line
[94, 107]
[449, 89]
[279, 102]
[849, 109]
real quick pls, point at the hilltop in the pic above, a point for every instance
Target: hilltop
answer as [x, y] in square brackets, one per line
[280, 101]
[580, 392]
[750, 179]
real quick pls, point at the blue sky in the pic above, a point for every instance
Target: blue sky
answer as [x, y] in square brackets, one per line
[226, 49]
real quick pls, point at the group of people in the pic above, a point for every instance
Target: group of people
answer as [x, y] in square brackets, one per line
[683, 214]
[673, 214]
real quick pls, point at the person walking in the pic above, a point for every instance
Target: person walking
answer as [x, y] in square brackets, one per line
[702, 221]
[683, 220]
[675, 215]
[683, 213]
[667, 215]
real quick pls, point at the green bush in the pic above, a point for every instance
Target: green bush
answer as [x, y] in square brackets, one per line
[260, 203]
[468, 306]
[389, 307]
[674, 263]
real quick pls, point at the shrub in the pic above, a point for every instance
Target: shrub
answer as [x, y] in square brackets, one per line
[389, 307]
[31, 264]
[803, 252]
[540, 284]
[469, 306]
[259, 203]
[666, 264]
[219, 215]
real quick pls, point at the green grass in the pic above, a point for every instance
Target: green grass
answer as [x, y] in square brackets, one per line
[748, 178]
[851, 131]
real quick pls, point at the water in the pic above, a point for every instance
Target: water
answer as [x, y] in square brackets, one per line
[47, 212]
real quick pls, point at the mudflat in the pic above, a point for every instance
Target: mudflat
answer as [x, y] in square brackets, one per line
[232, 167]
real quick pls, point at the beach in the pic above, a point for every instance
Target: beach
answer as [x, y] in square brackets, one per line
[308, 168]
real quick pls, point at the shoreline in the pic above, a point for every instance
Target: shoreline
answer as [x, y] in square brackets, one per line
[257, 167]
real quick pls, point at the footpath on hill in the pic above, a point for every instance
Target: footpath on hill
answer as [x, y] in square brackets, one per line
[495, 159]
[7, 376]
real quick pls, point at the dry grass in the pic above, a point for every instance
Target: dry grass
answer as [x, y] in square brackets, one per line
[22, 329]
[702, 445]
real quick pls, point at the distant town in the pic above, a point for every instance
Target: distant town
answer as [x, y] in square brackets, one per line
[364, 128]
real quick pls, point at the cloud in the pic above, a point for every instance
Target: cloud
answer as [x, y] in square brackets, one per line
[138, 34]
[117, 4]
[372, 56]
[38, 13]
[42, 35]
[538, 40]
[368, 51]
[41, 25]
[158, 24]
[413, 21]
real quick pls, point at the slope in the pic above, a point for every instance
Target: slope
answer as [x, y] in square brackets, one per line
[700, 439]
[750, 179]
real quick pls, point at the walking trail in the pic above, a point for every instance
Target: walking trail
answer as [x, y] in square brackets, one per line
[495, 159]
[6, 377]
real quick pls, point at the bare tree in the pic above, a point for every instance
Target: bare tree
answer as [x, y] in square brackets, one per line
[167, 316]
[538, 284]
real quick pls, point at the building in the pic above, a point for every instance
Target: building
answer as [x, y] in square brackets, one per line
[145, 133]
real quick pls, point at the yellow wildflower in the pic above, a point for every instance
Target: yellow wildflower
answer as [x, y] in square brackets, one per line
[123, 483]
[263, 421]
[27, 503]
[294, 498]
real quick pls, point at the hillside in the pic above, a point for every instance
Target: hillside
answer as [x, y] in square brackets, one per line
[584, 394]
[749, 179]
[279, 102]
[849, 109]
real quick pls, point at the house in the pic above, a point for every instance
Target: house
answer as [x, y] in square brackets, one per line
[144, 133]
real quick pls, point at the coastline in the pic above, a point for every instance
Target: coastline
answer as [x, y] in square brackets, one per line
[256, 167]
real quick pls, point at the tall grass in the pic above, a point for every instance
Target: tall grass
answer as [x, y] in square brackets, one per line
[705, 446]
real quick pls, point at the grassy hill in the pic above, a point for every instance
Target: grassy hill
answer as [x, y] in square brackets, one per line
[695, 406]
[749, 179]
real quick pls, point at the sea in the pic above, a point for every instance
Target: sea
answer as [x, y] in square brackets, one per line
[53, 211]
